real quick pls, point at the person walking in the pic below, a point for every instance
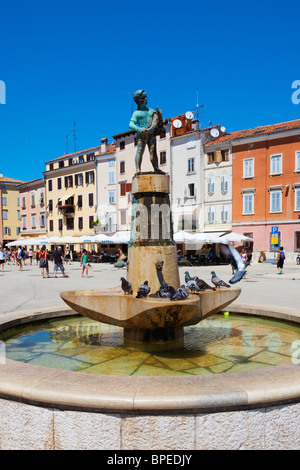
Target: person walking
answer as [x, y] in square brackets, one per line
[58, 258]
[280, 259]
[44, 261]
[30, 254]
[20, 252]
[84, 263]
[2, 258]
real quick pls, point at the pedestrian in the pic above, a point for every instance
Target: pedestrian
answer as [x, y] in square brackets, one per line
[2, 258]
[84, 263]
[44, 261]
[30, 256]
[58, 258]
[244, 255]
[37, 255]
[280, 259]
[20, 253]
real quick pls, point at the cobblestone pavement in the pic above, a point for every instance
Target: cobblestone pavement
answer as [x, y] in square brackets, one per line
[26, 290]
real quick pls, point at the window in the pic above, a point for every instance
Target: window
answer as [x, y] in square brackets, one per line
[276, 164]
[42, 220]
[32, 200]
[297, 241]
[6, 230]
[191, 190]
[248, 168]
[89, 177]
[18, 230]
[162, 135]
[42, 197]
[211, 185]
[58, 183]
[111, 177]
[69, 181]
[49, 185]
[123, 217]
[51, 166]
[18, 201]
[24, 222]
[91, 200]
[33, 221]
[50, 205]
[79, 179]
[122, 145]
[23, 202]
[122, 167]
[70, 223]
[191, 165]
[81, 159]
[275, 201]
[225, 213]
[297, 163]
[162, 158]
[61, 164]
[19, 215]
[60, 224]
[112, 197]
[4, 215]
[79, 201]
[211, 214]
[111, 163]
[80, 223]
[51, 225]
[248, 203]
[224, 184]
[4, 201]
[91, 220]
[297, 199]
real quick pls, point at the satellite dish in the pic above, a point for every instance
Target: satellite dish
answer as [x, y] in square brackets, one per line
[223, 129]
[177, 123]
[189, 115]
[214, 133]
[74, 161]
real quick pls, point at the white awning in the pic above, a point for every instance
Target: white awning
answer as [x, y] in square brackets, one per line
[235, 237]
[66, 196]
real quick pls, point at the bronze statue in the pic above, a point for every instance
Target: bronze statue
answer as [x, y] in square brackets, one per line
[148, 123]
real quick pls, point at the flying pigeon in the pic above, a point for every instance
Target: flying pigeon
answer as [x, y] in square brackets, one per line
[143, 290]
[218, 282]
[126, 286]
[236, 262]
[180, 294]
[200, 282]
[164, 292]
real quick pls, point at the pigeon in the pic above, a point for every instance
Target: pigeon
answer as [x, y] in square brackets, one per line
[164, 292]
[126, 286]
[200, 282]
[236, 262]
[193, 286]
[143, 290]
[180, 294]
[218, 282]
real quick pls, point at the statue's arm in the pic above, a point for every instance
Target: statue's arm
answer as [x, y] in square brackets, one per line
[134, 126]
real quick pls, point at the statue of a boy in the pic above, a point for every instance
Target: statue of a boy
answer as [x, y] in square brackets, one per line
[148, 123]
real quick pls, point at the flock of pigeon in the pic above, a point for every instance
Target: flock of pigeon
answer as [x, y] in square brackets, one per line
[193, 284]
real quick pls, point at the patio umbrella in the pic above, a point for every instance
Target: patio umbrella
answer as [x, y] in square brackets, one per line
[235, 237]
[184, 237]
[207, 237]
[121, 237]
[87, 239]
[101, 238]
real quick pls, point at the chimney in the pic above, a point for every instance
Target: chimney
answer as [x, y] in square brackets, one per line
[103, 145]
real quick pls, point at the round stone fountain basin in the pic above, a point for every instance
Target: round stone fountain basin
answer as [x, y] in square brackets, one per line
[46, 408]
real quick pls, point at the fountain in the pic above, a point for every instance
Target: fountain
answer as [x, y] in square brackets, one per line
[152, 257]
[48, 407]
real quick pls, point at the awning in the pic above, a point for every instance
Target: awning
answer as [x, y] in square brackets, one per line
[66, 196]
[235, 237]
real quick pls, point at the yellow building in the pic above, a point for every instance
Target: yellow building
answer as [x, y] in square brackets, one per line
[71, 187]
[9, 210]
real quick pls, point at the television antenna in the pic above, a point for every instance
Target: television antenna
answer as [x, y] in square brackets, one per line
[67, 143]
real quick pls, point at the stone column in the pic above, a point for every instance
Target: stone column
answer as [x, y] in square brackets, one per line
[152, 246]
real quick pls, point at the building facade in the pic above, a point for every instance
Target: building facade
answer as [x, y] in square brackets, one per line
[266, 186]
[10, 215]
[71, 193]
[33, 209]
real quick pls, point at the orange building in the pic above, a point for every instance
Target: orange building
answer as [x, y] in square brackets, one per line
[266, 186]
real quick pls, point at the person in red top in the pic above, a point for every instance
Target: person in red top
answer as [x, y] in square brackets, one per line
[44, 261]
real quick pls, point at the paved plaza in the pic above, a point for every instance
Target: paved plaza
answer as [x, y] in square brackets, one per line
[27, 290]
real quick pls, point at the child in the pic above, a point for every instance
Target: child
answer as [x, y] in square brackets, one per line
[280, 259]
[84, 263]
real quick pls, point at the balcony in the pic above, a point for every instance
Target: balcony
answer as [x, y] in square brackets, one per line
[67, 209]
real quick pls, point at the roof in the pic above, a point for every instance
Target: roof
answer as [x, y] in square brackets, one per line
[110, 148]
[258, 131]
[4, 179]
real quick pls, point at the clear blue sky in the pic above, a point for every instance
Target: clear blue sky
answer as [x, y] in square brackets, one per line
[73, 60]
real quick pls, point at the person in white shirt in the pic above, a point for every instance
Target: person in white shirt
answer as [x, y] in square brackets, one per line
[2, 258]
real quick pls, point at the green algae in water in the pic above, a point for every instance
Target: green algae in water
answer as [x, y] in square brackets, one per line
[215, 345]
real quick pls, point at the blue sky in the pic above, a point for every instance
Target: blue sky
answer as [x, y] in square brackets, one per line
[80, 61]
